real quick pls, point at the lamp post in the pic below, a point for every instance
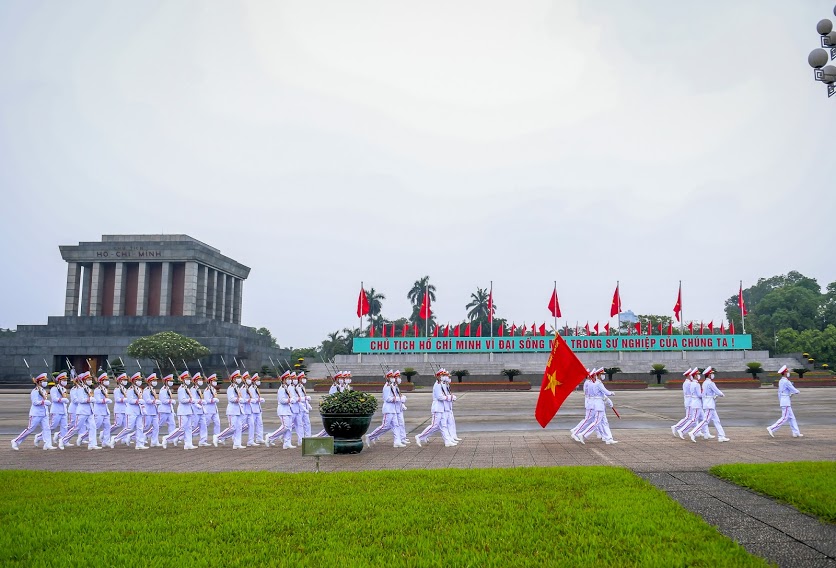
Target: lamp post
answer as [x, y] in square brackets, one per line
[818, 58]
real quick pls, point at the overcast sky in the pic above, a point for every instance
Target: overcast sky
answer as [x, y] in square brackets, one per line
[328, 143]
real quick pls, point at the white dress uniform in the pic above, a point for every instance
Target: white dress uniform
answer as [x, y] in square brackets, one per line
[400, 405]
[38, 414]
[210, 408]
[304, 406]
[389, 413]
[686, 394]
[166, 409]
[134, 415]
[710, 392]
[587, 404]
[334, 388]
[448, 407]
[199, 428]
[84, 413]
[120, 399]
[438, 423]
[152, 411]
[785, 392]
[101, 410]
[185, 414]
[694, 404]
[58, 410]
[256, 436]
[598, 394]
[234, 412]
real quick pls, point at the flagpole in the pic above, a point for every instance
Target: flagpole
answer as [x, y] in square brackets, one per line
[490, 310]
[361, 311]
[681, 312]
[742, 317]
[618, 297]
[555, 312]
[427, 319]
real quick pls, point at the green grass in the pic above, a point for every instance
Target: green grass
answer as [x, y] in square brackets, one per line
[807, 486]
[491, 517]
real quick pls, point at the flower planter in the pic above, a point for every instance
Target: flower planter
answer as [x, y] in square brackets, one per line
[624, 385]
[365, 387]
[807, 383]
[721, 384]
[498, 386]
[347, 430]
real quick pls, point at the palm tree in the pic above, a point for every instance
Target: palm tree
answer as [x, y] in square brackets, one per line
[479, 305]
[375, 304]
[332, 344]
[416, 293]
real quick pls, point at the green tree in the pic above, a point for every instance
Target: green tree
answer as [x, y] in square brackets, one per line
[333, 345]
[754, 368]
[478, 305]
[165, 346]
[409, 372]
[416, 293]
[266, 333]
[654, 321]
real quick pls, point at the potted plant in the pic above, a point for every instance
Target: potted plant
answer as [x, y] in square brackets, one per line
[754, 368]
[610, 371]
[800, 372]
[409, 372]
[346, 416]
[511, 373]
[658, 369]
[459, 373]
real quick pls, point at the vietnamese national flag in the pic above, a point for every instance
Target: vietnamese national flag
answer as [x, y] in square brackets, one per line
[479, 330]
[702, 329]
[615, 309]
[456, 331]
[691, 328]
[501, 331]
[596, 328]
[543, 329]
[523, 329]
[415, 329]
[740, 303]
[722, 328]
[564, 372]
[467, 330]
[586, 328]
[660, 328]
[405, 329]
[677, 309]
[554, 306]
[649, 328]
[426, 311]
[513, 329]
[711, 327]
[638, 328]
[362, 303]
[435, 330]
[384, 330]
[670, 328]
[371, 331]
[731, 327]
[447, 331]
[607, 328]
[534, 329]
[490, 305]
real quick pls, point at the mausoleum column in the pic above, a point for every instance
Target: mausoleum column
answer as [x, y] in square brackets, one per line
[119, 289]
[236, 305]
[73, 289]
[165, 289]
[96, 289]
[141, 288]
[190, 289]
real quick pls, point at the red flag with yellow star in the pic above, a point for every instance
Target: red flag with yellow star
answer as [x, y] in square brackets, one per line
[564, 372]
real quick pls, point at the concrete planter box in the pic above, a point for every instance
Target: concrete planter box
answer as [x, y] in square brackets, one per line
[493, 386]
[811, 383]
[624, 385]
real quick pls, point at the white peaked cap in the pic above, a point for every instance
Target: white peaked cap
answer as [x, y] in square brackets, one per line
[783, 370]
[688, 372]
[708, 371]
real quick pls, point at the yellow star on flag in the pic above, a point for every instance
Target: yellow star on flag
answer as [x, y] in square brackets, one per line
[553, 383]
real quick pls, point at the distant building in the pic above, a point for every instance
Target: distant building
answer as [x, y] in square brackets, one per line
[130, 286]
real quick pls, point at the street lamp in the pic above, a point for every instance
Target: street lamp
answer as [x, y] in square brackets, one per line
[818, 58]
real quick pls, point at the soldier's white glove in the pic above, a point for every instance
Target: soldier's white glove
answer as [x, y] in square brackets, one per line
[404, 407]
[294, 400]
[307, 399]
[108, 401]
[455, 397]
[262, 400]
[215, 400]
[403, 398]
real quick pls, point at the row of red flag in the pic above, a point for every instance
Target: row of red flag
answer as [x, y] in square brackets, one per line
[460, 330]
[425, 311]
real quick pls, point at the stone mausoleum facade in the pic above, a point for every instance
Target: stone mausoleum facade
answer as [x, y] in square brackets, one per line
[130, 286]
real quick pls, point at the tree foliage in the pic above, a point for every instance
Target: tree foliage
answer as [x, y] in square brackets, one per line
[166, 345]
[266, 333]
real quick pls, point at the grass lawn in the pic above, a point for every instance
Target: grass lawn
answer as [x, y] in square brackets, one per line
[807, 486]
[560, 516]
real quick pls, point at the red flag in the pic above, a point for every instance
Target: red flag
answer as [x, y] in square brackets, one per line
[501, 331]
[677, 309]
[543, 329]
[615, 309]
[691, 328]
[513, 328]
[362, 303]
[415, 329]
[586, 328]
[554, 306]
[405, 329]
[447, 331]
[731, 327]
[702, 329]
[596, 328]
[670, 328]
[564, 372]
[607, 328]
[467, 330]
[384, 330]
[711, 327]
[649, 328]
[534, 329]
[660, 328]
[479, 330]
[371, 331]
[490, 305]
[456, 331]
[523, 329]
[426, 311]
[577, 331]
[638, 328]
[435, 331]
[722, 328]
[740, 303]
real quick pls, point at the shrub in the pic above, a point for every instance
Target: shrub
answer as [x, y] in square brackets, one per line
[348, 402]
[511, 373]
[754, 368]
[800, 372]
[610, 371]
[460, 373]
[658, 369]
[409, 372]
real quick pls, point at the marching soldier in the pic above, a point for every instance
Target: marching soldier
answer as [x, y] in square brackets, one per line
[400, 406]
[210, 409]
[38, 414]
[785, 392]
[84, 411]
[389, 413]
[437, 408]
[60, 401]
[199, 426]
[166, 408]
[285, 415]
[152, 411]
[134, 415]
[120, 399]
[448, 407]
[304, 407]
[248, 420]
[694, 404]
[101, 410]
[710, 392]
[686, 394]
[234, 412]
[598, 394]
[256, 436]
[185, 413]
